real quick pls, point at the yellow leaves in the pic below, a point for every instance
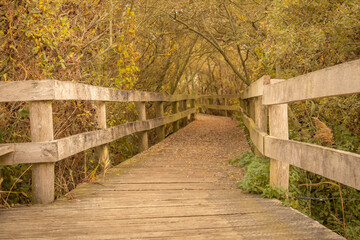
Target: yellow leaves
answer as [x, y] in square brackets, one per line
[262, 25]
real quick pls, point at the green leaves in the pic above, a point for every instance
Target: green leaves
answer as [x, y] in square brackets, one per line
[23, 112]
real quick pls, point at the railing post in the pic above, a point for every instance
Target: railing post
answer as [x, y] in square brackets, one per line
[175, 109]
[210, 102]
[43, 174]
[143, 136]
[192, 105]
[225, 104]
[159, 112]
[184, 108]
[102, 152]
[279, 127]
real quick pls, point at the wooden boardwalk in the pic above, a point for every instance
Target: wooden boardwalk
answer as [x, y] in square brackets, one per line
[181, 188]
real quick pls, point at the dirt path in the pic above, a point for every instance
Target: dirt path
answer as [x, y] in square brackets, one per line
[181, 188]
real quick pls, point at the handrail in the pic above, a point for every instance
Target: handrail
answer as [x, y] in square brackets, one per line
[44, 151]
[272, 95]
[44, 90]
[342, 79]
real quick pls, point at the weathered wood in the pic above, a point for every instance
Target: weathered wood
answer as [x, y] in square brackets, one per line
[43, 152]
[256, 135]
[252, 108]
[342, 79]
[173, 191]
[78, 143]
[192, 105]
[219, 107]
[227, 96]
[340, 166]
[53, 151]
[43, 174]
[143, 136]
[184, 107]
[65, 90]
[5, 149]
[278, 124]
[175, 109]
[255, 89]
[102, 152]
[260, 114]
[27, 91]
[159, 112]
[225, 104]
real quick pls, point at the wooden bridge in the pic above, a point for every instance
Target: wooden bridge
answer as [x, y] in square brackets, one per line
[181, 188]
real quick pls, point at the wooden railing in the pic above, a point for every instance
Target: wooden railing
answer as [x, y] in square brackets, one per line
[44, 151]
[268, 99]
[265, 98]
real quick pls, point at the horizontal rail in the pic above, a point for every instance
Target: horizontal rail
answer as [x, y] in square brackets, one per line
[65, 90]
[220, 107]
[340, 166]
[6, 149]
[342, 79]
[256, 135]
[57, 150]
[222, 96]
[337, 165]
[32, 152]
[256, 88]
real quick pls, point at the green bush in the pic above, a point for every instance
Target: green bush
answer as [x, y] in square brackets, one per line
[311, 194]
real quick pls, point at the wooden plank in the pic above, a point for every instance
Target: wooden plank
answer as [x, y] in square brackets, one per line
[255, 89]
[159, 112]
[27, 91]
[279, 127]
[340, 166]
[222, 96]
[102, 152]
[65, 90]
[81, 142]
[5, 149]
[191, 209]
[43, 174]
[342, 79]
[175, 110]
[256, 135]
[143, 136]
[220, 107]
[57, 150]
[30, 153]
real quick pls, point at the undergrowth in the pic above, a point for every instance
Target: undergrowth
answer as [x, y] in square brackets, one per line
[332, 204]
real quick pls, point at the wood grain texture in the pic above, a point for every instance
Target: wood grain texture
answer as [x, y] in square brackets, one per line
[256, 135]
[65, 90]
[102, 152]
[279, 127]
[159, 112]
[342, 79]
[175, 110]
[43, 174]
[30, 153]
[57, 150]
[83, 141]
[256, 88]
[143, 136]
[181, 188]
[5, 149]
[337, 165]
[27, 91]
